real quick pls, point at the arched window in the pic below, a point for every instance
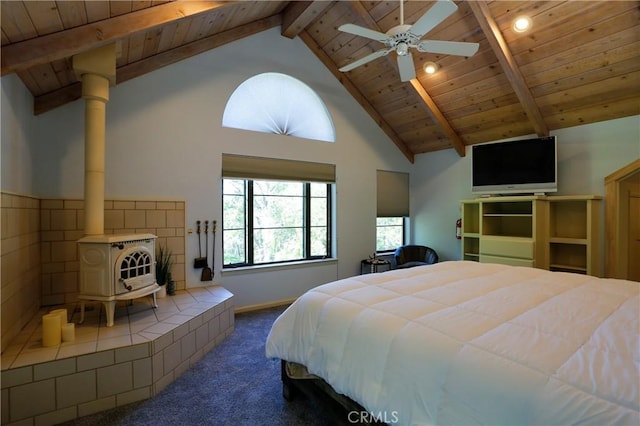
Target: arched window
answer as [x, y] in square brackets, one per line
[280, 104]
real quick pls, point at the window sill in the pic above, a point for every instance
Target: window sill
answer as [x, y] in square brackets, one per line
[278, 266]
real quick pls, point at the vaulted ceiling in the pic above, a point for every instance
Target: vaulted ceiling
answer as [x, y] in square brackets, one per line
[579, 64]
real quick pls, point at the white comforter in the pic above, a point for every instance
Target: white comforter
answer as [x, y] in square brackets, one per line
[468, 343]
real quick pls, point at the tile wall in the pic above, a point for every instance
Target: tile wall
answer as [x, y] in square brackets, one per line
[39, 255]
[19, 263]
[62, 225]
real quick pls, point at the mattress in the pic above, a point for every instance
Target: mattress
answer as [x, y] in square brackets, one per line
[472, 343]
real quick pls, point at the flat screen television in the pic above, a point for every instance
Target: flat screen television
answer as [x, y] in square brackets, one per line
[520, 166]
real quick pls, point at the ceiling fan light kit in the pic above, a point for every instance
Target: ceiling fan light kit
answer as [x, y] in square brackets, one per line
[402, 38]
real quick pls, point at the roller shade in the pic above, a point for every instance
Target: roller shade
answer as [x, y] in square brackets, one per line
[244, 167]
[393, 194]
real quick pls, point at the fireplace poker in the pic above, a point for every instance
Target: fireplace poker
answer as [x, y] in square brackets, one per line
[199, 262]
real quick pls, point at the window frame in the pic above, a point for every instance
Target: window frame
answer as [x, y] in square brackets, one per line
[249, 222]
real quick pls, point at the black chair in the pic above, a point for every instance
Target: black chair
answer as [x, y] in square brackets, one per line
[414, 255]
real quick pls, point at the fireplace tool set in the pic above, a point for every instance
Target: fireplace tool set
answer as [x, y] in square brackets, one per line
[203, 262]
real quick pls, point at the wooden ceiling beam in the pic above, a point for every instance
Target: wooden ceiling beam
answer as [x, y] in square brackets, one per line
[509, 65]
[299, 14]
[364, 14]
[72, 92]
[357, 95]
[439, 118]
[63, 44]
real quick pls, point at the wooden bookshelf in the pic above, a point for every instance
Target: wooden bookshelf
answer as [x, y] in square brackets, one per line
[574, 238]
[559, 233]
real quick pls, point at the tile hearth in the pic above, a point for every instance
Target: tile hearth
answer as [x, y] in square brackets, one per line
[146, 349]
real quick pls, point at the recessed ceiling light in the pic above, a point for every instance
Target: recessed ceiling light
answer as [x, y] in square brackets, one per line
[430, 67]
[521, 24]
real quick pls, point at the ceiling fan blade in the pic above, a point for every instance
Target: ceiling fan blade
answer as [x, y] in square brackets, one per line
[362, 61]
[363, 32]
[432, 17]
[406, 67]
[448, 47]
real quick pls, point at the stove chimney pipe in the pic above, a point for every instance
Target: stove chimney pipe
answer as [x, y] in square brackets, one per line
[97, 71]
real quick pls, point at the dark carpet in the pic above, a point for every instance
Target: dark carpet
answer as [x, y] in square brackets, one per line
[234, 384]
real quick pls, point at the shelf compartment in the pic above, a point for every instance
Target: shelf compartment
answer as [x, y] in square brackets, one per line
[508, 208]
[513, 225]
[471, 247]
[509, 219]
[569, 257]
[568, 219]
[471, 218]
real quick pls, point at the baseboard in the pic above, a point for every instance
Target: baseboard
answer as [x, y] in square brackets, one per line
[267, 305]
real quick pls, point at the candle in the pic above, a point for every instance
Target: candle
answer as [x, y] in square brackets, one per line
[69, 332]
[63, 315]
[51, 330]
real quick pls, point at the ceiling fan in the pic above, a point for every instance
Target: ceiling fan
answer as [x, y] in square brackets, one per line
[402, 38]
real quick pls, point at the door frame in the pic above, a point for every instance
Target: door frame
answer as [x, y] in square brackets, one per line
[617, 220]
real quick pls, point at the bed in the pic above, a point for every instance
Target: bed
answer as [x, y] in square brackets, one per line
[471, 343]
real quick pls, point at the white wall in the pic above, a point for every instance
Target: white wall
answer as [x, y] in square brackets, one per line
[165, 140]
[16, 154]
[586, 155]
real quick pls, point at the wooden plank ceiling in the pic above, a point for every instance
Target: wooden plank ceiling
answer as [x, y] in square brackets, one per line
[580, 63]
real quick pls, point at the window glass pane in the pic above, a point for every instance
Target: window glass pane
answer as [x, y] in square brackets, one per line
[234, 246]
[276, 245]
[234, 221]
[390, 221]
[319, 190]
[234, 212]
[318, 241]
[318, 212]
[389, 233]
[266, 187]
[233, 186]
[277, 212]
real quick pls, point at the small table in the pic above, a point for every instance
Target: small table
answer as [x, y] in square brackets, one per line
[373, 265]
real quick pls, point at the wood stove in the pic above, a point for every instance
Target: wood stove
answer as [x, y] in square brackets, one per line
[116, 267]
